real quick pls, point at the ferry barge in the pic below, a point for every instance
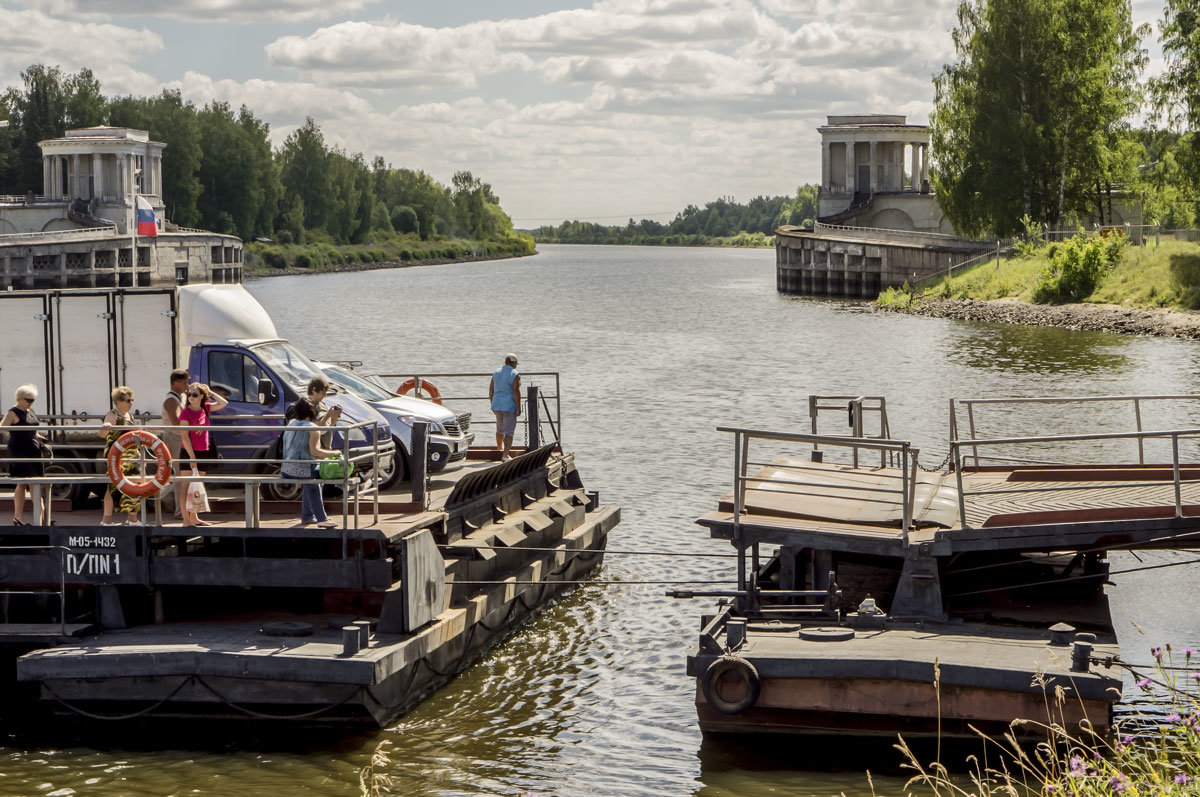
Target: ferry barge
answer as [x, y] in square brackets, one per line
[875, 596]
[259, 615]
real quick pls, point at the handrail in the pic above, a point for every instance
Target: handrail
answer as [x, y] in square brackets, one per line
[949, 272]
[62, 581]
[252, 482]
[1135, 400]
[748, 586]
[554, 420]
[81, 232]
[957, 446]
[820, 226]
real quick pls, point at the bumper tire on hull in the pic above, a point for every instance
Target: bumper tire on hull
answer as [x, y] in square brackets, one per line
[731, 685]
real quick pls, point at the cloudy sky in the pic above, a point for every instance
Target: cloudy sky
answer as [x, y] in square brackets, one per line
[596, 111]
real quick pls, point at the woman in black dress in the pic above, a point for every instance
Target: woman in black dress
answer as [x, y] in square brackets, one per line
[23, 444]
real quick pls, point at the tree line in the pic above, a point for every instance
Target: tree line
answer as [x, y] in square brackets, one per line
[1043, 115]
[722, 218]
[221, 173]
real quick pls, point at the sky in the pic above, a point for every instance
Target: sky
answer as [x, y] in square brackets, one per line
[570, 110]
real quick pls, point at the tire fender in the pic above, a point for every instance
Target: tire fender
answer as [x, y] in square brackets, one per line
[730, 670]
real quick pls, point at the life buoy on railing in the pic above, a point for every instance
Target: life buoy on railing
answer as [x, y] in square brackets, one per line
[416, 384]
[731, 685]
[139, 489]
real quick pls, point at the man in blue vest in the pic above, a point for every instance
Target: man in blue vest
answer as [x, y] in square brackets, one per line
[505, 392]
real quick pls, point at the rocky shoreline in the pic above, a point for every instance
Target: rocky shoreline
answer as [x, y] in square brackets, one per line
[1093, 317]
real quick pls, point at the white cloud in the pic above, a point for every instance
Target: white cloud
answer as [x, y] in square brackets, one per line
[281, 102]
[31, 37]
[223, 11]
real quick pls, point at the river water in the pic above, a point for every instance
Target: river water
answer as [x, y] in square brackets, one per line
[656, 347]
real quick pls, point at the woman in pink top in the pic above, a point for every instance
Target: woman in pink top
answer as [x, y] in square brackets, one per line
[199, 403]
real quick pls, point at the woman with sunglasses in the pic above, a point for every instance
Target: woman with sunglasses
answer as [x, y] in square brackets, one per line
[114, 426]
[200, 402]
[24, 445]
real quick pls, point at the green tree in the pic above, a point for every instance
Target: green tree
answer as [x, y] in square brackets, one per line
[1027, 119]
[172, 121]
[39, 113]
[304, 171]
[84, 104]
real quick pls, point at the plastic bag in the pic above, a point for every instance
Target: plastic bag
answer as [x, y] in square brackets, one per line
[196, 499]
[335, 468]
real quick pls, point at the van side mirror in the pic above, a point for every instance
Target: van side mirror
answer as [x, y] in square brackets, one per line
[267, 394]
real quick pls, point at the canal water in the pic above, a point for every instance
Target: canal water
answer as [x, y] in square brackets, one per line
[656, 347]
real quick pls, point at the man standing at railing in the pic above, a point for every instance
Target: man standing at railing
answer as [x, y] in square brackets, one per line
[505, 392]
[172, 404]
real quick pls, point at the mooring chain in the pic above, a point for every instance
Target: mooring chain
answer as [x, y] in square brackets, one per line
[945, 462]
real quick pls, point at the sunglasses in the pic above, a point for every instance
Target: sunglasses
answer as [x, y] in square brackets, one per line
[195, 395]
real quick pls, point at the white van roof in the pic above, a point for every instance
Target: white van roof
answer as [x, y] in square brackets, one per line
[217, 313]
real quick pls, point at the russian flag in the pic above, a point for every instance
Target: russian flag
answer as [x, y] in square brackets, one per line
[146, 224]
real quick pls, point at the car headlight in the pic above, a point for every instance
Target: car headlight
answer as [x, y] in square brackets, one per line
[356, 436]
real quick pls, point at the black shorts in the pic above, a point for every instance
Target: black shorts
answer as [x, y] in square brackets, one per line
[204, 456]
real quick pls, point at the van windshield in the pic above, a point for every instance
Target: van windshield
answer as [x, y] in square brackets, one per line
[360, 386]
[288, 363]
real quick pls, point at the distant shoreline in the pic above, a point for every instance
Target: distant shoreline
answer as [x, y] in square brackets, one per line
[266, 272]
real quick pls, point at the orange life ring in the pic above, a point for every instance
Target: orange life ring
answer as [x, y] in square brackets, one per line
[417, 384]
[142, 489]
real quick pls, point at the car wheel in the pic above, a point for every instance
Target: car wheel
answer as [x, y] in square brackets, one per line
[390, 477]
[282, 490]
[75, 492]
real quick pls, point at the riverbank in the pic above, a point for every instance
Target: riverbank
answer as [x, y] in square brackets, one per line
[259, 270]
[1159, 322]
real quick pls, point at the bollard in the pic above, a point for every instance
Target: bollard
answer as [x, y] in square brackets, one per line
[418, 462]
[1081, 653]
[364, 633]
[735, 633]
[350, 634]
[533, 426]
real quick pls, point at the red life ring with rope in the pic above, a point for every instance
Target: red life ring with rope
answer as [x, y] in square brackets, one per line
[139, 489]
[416, 384]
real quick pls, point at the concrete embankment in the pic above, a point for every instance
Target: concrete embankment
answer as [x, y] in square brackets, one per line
[1095, 317]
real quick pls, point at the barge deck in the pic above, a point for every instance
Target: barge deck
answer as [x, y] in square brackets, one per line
[875, 596]
[257, 616]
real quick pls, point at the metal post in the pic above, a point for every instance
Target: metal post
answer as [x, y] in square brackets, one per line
[904, 485]
[971, 424]
[1175, 467]
[1137, 414]
[345, 484]
[418, 463]
[39, 518]
[533, 425]
[955, 457]
[738, 486]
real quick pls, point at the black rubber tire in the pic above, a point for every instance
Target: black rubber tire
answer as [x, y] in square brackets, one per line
[399, 467]
[725, 673]
[77, 494]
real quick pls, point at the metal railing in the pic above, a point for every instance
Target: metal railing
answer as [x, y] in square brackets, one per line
[911, 234]
[61, 592]
[76, 233]
[856, 407]
[466, 384]
[956, 449]
[27, 199]
[946, 273]
[251, 481]
[903, 451]
[1135, 403]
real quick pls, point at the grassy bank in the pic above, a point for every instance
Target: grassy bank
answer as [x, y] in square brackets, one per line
[274, 257]
[1081, 270]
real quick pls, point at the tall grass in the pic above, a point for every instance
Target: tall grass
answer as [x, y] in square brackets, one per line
[1140, 756]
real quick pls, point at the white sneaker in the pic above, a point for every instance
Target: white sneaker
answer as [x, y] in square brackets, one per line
[327, 524]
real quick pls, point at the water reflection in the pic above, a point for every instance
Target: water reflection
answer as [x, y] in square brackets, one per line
[1013, 348]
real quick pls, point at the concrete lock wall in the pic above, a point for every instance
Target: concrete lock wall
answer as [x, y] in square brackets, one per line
[87, 259]
[814, 264]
